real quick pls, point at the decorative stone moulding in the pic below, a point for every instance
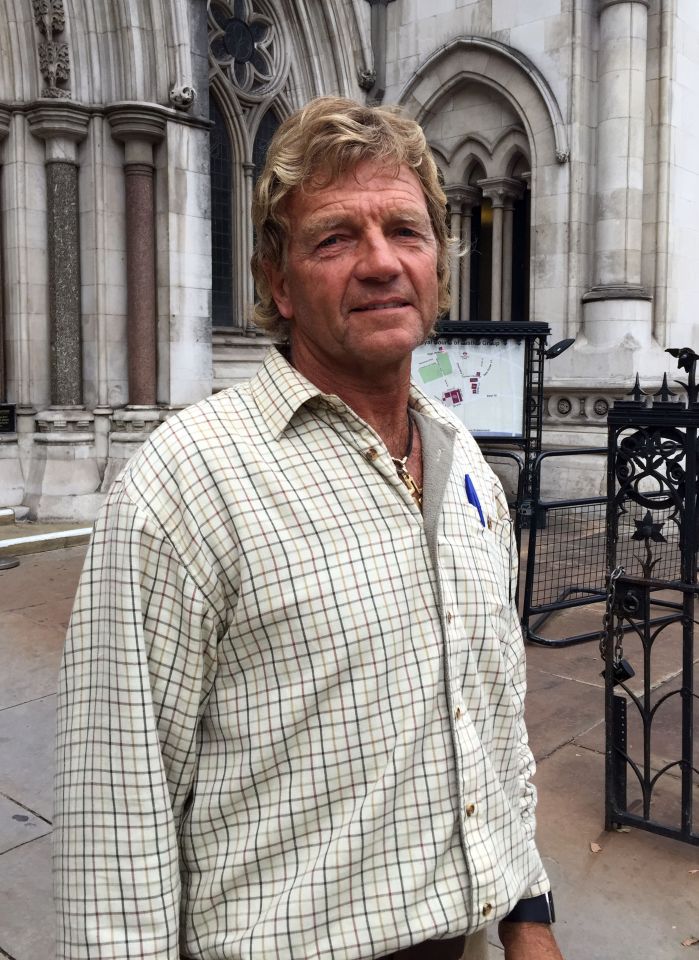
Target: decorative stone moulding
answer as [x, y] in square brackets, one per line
[603, 4]
[580, 408]
[613, 291]
[64, 426]
[54, 55]
[134, 425]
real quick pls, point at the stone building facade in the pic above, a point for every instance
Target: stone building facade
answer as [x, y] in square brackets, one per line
[131, 134]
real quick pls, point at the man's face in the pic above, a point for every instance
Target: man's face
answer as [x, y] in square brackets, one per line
[360, 283]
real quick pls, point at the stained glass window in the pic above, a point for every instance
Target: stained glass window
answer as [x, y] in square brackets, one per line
[221, 220]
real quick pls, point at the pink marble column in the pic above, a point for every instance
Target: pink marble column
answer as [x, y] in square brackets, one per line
[140, 282]
[139, 129]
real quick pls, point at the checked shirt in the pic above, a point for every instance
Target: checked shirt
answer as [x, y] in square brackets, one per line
[291, 704]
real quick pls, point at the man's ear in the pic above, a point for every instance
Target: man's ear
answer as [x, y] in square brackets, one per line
[279, 289]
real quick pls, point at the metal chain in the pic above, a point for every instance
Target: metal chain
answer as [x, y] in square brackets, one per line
[608, 618]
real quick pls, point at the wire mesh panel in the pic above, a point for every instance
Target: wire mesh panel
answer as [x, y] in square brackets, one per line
[566, 559]
[569, 560]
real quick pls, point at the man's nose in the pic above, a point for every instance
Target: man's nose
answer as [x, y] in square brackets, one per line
[377, 260]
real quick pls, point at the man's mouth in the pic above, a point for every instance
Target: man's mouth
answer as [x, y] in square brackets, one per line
[381, 305]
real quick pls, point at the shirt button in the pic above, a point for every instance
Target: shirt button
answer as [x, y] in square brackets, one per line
[487, 909]
[372, 454]
[457, 713]
[470, 809]
[449, 618]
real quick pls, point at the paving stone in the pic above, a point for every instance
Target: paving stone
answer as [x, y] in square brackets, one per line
[636, 897]
[26, 912]
[18, 825]
[26, 753]
[557, 709]
[30, 654]
[41, 578]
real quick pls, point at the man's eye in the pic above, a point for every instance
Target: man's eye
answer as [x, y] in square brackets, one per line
[407, 232]
[329, 241]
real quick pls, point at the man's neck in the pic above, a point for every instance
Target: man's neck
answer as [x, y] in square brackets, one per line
[379, 397]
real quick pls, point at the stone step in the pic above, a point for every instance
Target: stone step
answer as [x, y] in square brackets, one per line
[17, 546]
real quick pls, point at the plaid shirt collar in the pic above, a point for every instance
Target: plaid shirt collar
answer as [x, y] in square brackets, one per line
[280, 391]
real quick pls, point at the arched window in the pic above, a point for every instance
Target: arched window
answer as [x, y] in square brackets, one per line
[265, 131]
[481, 252]
[221, 170]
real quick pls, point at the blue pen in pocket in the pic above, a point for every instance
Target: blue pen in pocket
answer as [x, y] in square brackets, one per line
[472, 497]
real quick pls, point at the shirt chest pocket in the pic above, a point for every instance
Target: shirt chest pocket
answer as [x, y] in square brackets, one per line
[476, 559]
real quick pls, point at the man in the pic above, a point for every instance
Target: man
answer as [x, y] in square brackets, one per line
[291, 708]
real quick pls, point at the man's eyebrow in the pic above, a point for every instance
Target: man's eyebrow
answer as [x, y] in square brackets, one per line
[323, 225]
[336, 222]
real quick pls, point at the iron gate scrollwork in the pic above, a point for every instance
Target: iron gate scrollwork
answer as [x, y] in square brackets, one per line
[652, 771]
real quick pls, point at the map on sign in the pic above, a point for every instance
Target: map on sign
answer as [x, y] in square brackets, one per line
[482, 383]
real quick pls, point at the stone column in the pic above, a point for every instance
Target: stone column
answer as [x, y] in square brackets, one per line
[4, 130]
[139, 129]
[471, 199]
[617, 305]
[248, 286]
[507, 242]
[454, 198]
[461, 199]
[501, 191]
[62, 127]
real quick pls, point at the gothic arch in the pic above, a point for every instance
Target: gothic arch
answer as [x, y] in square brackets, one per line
[509, 72]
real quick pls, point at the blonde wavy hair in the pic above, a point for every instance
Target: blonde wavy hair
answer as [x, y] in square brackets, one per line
[327, 138]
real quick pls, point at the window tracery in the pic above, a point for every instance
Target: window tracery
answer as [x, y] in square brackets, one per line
[245, 47]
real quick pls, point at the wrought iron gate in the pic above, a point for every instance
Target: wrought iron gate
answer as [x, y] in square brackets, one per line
[652, 771]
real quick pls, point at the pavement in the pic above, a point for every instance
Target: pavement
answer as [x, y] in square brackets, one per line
[622, 895]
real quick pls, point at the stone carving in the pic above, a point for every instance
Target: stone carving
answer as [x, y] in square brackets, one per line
[366, 79]
[54, 58]
[564, 406]
[563, 156]
[49, 16]
[182, 96]
[579, 407]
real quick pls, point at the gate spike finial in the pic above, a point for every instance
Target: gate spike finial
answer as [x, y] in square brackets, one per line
[636, 393]
[664, 393]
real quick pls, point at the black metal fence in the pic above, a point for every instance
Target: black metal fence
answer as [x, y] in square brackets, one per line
[652, 764]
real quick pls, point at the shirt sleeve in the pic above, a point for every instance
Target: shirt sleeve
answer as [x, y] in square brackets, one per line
[137, 665]
[518, 671]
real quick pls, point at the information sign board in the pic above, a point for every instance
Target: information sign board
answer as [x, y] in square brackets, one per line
[480, 379]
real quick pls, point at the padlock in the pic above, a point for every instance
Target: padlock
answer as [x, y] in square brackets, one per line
[621, 671]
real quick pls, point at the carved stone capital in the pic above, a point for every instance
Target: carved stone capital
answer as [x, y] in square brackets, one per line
[67, 121]
[61, 126]
[501, 191]
[134, 121]
[462, 197]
